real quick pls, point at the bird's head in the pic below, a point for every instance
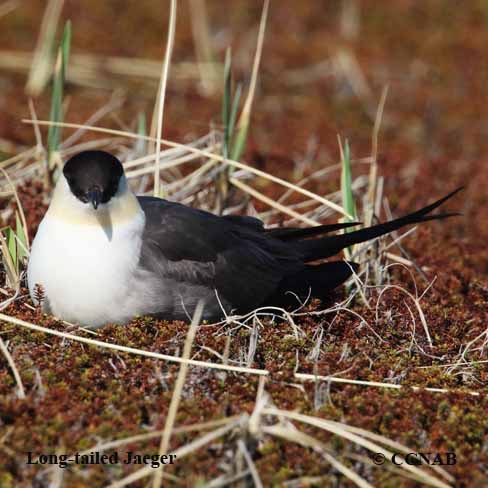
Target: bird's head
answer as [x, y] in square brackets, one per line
[94, 177]
[93, 190]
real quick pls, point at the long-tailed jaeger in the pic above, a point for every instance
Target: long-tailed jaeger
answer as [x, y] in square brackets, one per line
[102, 255]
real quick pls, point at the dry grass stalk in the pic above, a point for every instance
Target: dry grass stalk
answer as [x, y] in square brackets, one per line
[15, 371]
[260, 403]
[203, 46]
[393, 444]
[190, 180]
[170, 164]
[448, 365]
[250, 463]
[272, 203]
[19, 205]
[399, 259]
[130, 350]
[21, 157]
[227, 481]
[294, 435]
[157, 122]
[181, 452]
[373, 171]
[346, 63]
[243, 123]
[469, 347]
[175, 399]
[206, 154]
[41, 67]
[116, 101]
[350, 20]
[37, 132]
[103, 71]
[341, 430]
[13, 278]
[415, 300]
[8, 6]
[377, 384]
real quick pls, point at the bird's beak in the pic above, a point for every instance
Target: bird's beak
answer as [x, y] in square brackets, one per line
[95, 197]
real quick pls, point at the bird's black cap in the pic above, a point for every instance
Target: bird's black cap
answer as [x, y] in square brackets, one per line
[93, 176]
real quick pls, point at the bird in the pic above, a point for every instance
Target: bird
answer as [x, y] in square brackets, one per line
[104, 255]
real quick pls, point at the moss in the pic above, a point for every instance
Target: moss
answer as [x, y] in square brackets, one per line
[7, 480]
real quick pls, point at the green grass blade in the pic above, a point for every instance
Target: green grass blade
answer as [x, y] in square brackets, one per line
[229, 115]
[235, 107]
[141, 124]
[346, 190]
[9, 266]
[21, 237]
[245, 117]
[226, 109]
[56, 114]
[346, 184]
[65, 47]
[141, 144]
[240, 141]
[12, 247]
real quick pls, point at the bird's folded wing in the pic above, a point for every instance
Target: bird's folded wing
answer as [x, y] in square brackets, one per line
[231, 255]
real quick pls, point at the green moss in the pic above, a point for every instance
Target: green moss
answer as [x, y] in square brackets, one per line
[7, 480]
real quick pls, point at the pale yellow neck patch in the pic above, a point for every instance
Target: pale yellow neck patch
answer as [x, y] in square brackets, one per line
[122, 208]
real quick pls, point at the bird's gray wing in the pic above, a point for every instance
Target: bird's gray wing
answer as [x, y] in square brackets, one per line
[202, 251]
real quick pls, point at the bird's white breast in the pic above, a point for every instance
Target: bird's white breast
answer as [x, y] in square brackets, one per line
[86, 271]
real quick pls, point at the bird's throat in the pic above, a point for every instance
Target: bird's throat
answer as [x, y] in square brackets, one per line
[122, 209]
